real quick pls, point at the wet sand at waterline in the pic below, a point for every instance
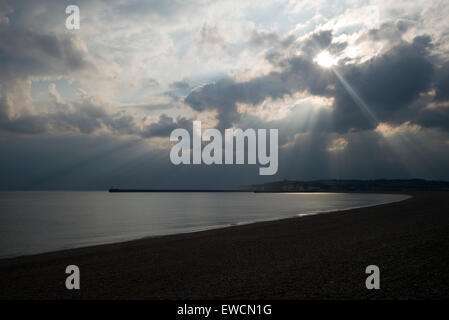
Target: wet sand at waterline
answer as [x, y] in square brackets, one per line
[313, 257]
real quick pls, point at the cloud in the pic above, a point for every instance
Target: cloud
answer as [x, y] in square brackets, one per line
[179, 85]
[338, 144]
[297, 74]
[388, 84]
[86, 115]
[261, 38]
[442, 83]
[210, 37]
[139, 69]
[384, 88]
[26, 53]
[165, 125]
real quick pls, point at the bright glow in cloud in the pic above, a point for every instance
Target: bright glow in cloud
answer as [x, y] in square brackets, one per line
[388, 130]
[325, 59]
[338, 144]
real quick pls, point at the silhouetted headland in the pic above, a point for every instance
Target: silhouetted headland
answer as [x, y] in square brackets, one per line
[383, 185]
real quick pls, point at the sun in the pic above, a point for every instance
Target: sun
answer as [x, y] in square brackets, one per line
[325, 59]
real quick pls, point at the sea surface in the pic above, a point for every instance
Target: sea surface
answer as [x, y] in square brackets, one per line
[41, 221]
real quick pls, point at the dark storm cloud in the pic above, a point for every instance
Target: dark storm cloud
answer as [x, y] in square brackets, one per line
[88, 118]
[391, 85]
[298, 74]
[382, 89]
[316, 43]
[178, 89]
[25, 124]
[434, 118]
[165, 125]
[442, 83]
[25, 53]
[28, 49]
[224, 94]
[83, 117]
[387, 84]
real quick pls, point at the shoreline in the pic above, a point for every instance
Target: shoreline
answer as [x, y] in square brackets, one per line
[320, 256]
[215, 227]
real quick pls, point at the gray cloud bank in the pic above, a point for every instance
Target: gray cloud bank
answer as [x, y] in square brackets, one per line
[388, 116]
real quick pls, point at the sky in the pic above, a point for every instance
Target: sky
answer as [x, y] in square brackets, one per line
[357, 89]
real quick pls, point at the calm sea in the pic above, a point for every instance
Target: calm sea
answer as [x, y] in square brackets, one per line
[41, 221]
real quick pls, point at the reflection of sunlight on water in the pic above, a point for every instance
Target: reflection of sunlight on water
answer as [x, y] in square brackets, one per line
[308, 193]
[307, 214]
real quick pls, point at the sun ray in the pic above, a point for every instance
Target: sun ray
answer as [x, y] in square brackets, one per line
[357, 99]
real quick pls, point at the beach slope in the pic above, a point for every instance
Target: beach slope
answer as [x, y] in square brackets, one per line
[314, 257]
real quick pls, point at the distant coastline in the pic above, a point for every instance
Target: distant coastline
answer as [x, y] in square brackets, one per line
[334, 185]
[344, 185]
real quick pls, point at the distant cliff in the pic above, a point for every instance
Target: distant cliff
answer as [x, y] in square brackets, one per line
[348, 185]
